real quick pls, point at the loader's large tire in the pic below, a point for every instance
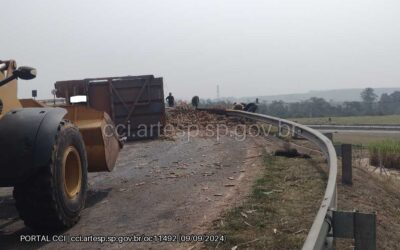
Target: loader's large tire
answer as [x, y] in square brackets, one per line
[52, 199]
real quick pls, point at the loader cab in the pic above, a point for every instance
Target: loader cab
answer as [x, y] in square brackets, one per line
[8, 92]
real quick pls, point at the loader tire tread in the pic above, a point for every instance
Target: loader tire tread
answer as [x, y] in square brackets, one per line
[38, 199]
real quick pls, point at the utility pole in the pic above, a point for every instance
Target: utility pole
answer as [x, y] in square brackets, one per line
[217, 91]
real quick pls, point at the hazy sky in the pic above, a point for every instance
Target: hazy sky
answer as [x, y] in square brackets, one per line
[248, 47]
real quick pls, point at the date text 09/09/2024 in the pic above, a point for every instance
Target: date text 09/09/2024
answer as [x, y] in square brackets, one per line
[179, 238]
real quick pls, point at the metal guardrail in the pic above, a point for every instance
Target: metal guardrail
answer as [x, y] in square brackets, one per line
[320, 234]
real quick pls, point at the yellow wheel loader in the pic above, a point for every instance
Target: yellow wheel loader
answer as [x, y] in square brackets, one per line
[46, 153]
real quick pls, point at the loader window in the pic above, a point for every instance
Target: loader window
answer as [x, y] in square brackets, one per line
[78, 99]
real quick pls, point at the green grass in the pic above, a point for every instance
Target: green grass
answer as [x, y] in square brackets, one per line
[279, 211]
[363, 138]
[386, 152]
[351, 120]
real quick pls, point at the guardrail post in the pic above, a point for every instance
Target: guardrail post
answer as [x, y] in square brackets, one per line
[365, 231]
[355, 225]
[347, 171]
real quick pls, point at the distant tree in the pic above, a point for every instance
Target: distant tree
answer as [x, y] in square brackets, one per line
[369, 97]
[389, 103]
[318, 107]
[395, 102]
[395, 96]
[263, 107]
[352, 108]
[385, 104]
[297, 109]
[278, 108]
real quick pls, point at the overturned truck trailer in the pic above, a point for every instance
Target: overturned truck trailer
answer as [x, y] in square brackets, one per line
[134, 103]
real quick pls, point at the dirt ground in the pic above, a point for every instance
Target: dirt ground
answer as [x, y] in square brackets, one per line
[281, 208]
[159, 187]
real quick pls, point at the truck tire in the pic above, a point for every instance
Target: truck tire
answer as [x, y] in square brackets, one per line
[52, 199]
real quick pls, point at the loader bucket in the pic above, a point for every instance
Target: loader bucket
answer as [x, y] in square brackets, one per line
[98, 132]
[31, 103]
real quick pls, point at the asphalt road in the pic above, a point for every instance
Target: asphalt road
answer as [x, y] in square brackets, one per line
[159, 187]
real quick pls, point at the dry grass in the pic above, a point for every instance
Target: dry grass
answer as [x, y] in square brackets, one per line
[280, 210]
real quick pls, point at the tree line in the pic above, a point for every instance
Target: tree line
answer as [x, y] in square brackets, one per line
[371, 104]
[387, 104]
